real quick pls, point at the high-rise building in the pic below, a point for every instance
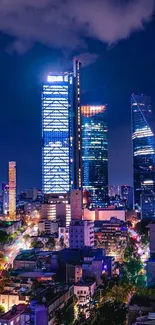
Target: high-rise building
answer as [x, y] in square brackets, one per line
[95, 152]
[143, 147]
[61, 132]
[12, 189]
[127, 195]
[5, 198]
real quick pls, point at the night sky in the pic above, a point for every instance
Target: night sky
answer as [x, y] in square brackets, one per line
[118, 55]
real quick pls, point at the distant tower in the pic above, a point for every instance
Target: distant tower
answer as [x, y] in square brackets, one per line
[143, 145]
[12, 189]
[5, 198]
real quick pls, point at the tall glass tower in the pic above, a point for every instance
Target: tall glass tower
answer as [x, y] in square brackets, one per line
[95, 152]
[61, 132]
[143, 148]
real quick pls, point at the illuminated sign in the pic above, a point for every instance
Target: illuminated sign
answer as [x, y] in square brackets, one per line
[54, 78]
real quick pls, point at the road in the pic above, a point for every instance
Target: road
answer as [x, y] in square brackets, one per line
[13, 250]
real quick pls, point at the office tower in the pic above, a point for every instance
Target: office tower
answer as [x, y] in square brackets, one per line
[5, 198]
[143, 147]
[12, 189]
[61, 132]
[95, 152]
[127, 195]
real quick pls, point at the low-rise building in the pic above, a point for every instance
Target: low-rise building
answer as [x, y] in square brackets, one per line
[112, 236]
[84, 290]
[48, 226]
[63, 232]
[10, 227]
[9, 299]
[15, 315]
[81, 233]
[43, 309]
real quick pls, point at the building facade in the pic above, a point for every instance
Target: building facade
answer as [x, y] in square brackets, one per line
[127, 195]
[12, 189]
[81, 233]
[143, 144]
[95, 152]
[5, 198]
[61, 132]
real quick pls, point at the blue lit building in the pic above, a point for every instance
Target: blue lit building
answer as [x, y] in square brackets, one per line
[95, 152]
[61, 132]
[143, 149]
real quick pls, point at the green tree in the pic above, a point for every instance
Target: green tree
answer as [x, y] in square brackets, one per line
[51, 243]
[131, 271]
[62, 244]
[3, 238]
[2, 309]
[37, 243]
[111, 313]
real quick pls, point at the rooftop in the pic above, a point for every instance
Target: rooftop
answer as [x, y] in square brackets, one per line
[36, 274]
[14, 312]
[53, 293]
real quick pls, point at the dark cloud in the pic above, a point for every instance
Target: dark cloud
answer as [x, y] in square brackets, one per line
[65, 23]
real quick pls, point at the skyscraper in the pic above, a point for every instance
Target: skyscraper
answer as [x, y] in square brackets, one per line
[95, 152]
[12, 189]
[61, 132]
[5, 198]
[143, 147]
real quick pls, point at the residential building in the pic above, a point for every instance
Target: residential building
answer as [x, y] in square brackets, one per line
[48, 226]
[63, 232]
[112, 236]
[61, 132]
[75, 264]
[74, 273]
[95, 152]
[12, 190]
[81, 233]
[14, 315]
[143, 144]
[9, 299]
[84, 291]
[5, 198]
[43, 309]
[10, 227]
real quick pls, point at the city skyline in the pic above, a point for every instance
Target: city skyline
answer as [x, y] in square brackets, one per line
[110, 74]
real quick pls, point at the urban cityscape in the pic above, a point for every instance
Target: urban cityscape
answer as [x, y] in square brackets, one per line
[78, 250]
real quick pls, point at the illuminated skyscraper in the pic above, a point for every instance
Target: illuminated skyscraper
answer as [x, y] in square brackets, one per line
[95, 151]
[61, 132]
[143, 147]
[12, 189]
